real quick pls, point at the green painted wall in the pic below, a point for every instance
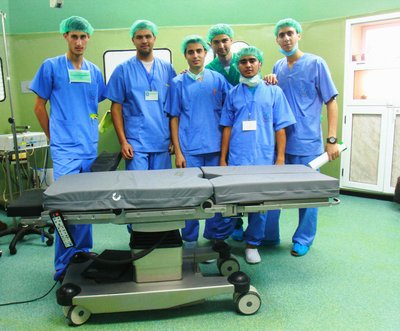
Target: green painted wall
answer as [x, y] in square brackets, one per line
[323, 35]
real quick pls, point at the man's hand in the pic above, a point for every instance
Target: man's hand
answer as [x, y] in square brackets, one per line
[280, 161]
[270, 79]
[180, 161]
[127, 151]
[333, 151]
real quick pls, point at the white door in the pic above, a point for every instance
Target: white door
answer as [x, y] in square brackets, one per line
[371, 113]
[366, 130]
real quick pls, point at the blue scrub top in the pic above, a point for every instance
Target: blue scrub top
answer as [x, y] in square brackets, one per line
[73, 107]
[307, 85]
[268, 106]
[146, 123]
[198, 105]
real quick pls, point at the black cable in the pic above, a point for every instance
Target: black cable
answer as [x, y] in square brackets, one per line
[27, 301]
[137, 256]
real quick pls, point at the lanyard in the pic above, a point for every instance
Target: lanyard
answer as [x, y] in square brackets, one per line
[149, 76]
[251, 108]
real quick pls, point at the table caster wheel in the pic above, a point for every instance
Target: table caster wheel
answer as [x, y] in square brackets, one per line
[49, 242]
[247, 303]
[77, 315]
[228, 267]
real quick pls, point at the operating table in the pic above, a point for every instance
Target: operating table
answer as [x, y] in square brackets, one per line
[160, 273]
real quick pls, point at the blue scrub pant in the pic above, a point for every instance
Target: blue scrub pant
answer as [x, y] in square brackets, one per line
[82, 233]
[216, 227]
[307, 228]
[149, 161]
[254, 233]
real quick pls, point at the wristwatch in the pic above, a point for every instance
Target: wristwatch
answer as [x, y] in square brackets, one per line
[331, 140]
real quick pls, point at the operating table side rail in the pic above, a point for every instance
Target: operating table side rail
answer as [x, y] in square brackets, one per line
[132, 216]
[206, 210]
[285, 204]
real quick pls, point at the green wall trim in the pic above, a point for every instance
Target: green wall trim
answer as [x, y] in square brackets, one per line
[37, 16]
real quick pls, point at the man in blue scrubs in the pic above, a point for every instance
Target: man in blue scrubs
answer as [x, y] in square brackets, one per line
[220, 37]
[197, 97]
[307, 83]
[254, 116]
[225, 62]
[74, 87]
[139, 91]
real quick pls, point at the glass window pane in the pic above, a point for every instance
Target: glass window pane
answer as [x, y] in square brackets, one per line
[377, 84]
[365, 141]
[379, 45]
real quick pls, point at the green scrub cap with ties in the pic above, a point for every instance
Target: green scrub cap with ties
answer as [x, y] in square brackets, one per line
[143, 25]
[251, 50]
[219, 29]
[76, 23]
[193, 39]
[287, 22]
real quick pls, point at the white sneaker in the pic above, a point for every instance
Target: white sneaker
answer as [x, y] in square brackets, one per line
[252, 256]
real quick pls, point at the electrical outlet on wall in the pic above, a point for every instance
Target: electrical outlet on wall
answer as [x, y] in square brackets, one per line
[25, 86]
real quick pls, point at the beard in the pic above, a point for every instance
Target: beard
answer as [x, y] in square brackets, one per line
[144, 53]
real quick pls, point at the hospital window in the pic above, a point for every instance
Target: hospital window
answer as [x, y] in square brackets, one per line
[376, 60]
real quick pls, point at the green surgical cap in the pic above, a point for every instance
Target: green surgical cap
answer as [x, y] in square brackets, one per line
[219, 29]
[287, 22]
[76, 23]
[251, 50]
[143, 25]
[193, 39]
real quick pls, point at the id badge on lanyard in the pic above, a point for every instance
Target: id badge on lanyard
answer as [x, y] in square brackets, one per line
[249, 125]
[79, 76]
[151, 95]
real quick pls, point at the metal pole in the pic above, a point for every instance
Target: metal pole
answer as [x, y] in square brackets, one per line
[11, 119]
